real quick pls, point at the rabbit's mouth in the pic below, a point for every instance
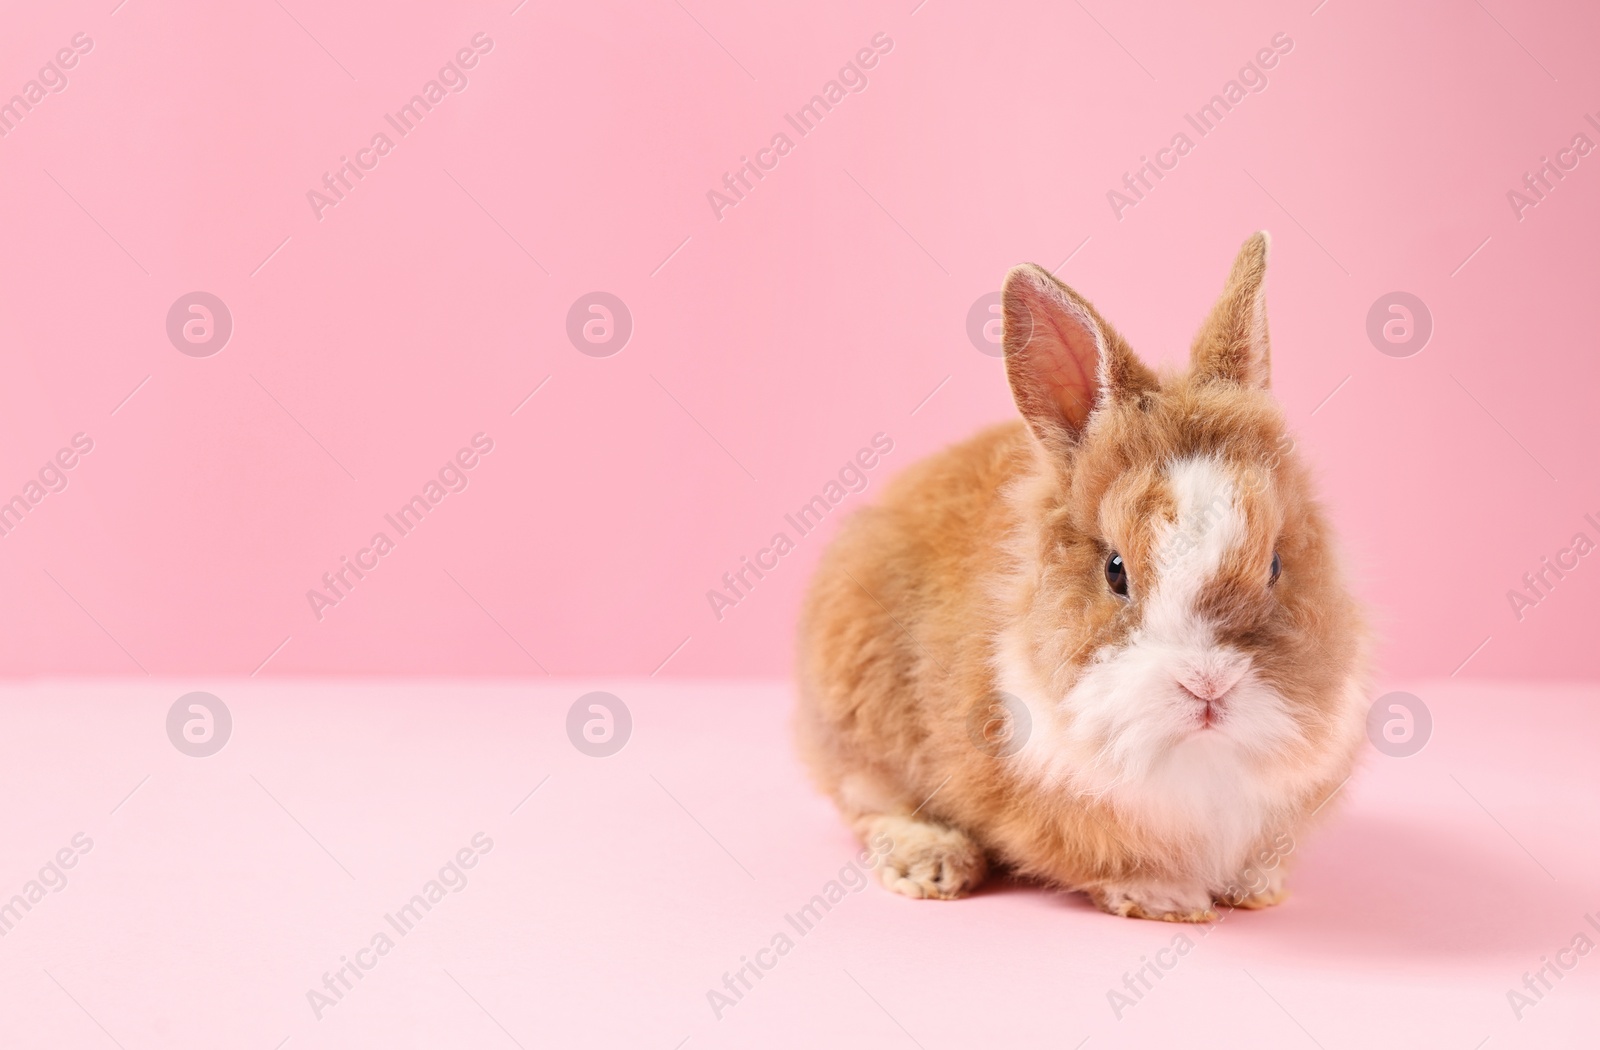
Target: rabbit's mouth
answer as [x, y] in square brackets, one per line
[1209, 708]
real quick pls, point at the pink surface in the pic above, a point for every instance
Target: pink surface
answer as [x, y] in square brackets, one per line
[216, 892]
[571, 150]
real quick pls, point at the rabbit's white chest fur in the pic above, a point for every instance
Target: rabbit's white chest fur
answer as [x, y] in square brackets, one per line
[1201, 793]
[1205, 792]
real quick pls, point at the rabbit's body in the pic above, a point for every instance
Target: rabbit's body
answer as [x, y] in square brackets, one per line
[974, 687]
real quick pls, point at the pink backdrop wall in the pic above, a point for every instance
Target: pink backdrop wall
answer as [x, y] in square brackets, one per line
[371, 342]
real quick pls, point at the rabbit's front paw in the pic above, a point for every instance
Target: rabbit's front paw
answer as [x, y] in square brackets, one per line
[1155, 901]
[1256, 889]
[927, 859]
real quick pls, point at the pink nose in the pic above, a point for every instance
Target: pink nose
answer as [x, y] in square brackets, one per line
[1209, 686]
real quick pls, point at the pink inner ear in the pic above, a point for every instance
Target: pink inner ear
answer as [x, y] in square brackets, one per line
[1055, 363]
[1069, 371]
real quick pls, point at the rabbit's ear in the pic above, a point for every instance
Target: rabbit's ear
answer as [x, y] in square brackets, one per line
[1062, 359]
[1233, 345]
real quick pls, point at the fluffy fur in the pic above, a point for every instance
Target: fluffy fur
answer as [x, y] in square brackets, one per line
[973, 689]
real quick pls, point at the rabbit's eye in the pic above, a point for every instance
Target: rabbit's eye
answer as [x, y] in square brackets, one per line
[1277, 569]
[1117, 574]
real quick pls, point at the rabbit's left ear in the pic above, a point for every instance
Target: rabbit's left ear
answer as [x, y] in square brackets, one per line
[1233, 345]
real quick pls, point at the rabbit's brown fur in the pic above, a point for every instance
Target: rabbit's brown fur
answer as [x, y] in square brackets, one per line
[981, 575]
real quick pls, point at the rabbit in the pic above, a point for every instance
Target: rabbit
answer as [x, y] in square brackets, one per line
[1107, 646]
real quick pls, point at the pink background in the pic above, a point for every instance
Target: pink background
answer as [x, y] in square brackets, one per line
[830, 305]
[767, 346]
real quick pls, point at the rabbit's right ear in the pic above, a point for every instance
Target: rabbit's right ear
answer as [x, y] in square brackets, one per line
[1062, 359]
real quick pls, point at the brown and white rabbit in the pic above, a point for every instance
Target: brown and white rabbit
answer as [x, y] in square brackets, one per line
[1107, 646]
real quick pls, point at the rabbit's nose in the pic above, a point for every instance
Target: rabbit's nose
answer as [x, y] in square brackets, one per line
[1210, 684]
